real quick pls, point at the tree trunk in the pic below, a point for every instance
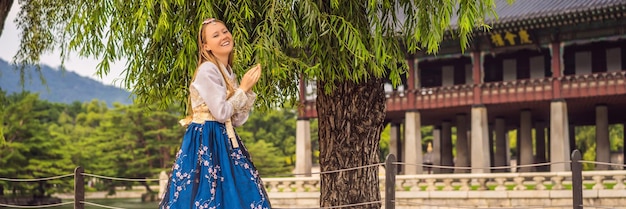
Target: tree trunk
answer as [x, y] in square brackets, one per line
[350, 122]
[164, 160]
[41, 192]
[148, 189]
[5, 8]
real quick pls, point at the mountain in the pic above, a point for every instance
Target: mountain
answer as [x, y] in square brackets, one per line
[61, 86]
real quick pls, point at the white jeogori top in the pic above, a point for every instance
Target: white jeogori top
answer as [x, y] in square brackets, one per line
[208, 92]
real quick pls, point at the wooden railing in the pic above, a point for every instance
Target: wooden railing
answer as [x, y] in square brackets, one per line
[541, 89]
[597, 84]
[427, 98]
[516, 91]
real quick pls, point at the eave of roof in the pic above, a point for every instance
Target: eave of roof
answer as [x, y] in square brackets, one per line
[550, 13]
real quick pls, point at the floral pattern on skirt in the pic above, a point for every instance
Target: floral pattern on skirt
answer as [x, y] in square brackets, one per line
[210, 174]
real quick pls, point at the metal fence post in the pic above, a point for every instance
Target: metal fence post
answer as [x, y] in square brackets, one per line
[390, 182]
[577, 180]
[79, 188]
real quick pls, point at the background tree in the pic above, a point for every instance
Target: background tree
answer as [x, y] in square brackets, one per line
[50, 139]
[154, 136]
[267, 159]
[4, 103]
[586, 142]
[270, 139]
[164, 135]
[124, 141]
[27, 151]
[347, 47]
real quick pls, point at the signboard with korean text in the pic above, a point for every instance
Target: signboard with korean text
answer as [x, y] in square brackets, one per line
[511, 38]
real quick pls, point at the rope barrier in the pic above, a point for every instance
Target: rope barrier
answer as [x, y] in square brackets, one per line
[602, 163]
[118, 178]
[352, 205]
[469, 168]
[39, 179]
[333, 171]
[98, 205]
[37, 206]
[349, 169]
[325, 172]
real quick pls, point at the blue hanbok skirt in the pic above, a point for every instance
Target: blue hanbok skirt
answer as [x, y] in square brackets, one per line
[210, 174]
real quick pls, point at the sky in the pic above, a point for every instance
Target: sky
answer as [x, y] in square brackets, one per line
[9, 45]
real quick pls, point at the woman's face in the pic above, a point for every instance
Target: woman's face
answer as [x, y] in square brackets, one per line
[218, 39]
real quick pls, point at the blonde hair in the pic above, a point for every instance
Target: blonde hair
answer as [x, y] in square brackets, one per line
[208, 56]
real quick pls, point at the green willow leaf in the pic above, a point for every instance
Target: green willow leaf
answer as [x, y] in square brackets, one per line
[331, 41]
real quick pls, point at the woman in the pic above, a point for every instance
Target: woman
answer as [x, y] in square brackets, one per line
[213, 169]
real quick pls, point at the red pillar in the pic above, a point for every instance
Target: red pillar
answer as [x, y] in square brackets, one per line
[476, 75]
[411, 90]
[556, 69]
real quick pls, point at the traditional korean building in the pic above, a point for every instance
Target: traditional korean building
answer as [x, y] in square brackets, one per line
[545, 67]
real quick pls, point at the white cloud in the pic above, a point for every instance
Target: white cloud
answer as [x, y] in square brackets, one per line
[9, 45]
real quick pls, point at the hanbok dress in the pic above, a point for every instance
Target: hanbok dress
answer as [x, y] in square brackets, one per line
[213, 169]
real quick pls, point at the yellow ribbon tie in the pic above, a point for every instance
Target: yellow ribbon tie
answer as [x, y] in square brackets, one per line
[230, 131]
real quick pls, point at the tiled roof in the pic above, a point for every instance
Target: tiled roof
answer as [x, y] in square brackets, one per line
[532, 9]
[548, 13]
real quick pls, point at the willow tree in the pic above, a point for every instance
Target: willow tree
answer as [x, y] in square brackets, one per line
[347, 46]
